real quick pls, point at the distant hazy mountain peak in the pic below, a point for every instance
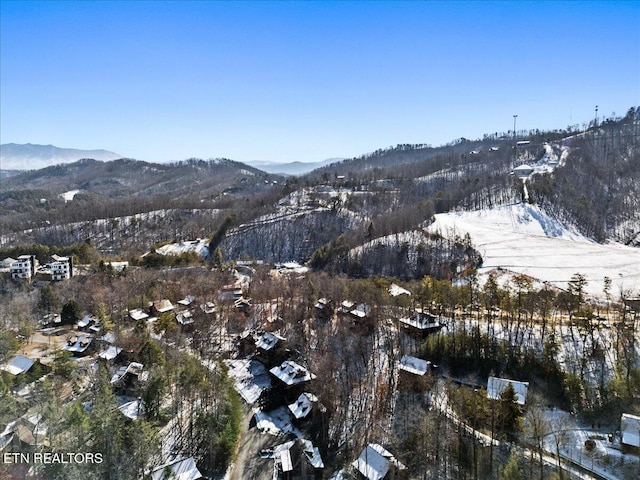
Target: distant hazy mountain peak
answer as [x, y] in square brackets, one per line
[30, 156]
[290, 168]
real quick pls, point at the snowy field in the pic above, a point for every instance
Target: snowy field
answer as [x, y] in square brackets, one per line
[523, 239]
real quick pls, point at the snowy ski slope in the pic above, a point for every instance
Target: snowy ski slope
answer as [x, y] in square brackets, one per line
[523, 239]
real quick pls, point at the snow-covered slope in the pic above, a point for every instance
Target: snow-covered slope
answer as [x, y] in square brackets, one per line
[199, 246]
[524, 239]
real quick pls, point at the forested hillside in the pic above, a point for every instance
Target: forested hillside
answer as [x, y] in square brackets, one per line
[598, 189]
[593, 185]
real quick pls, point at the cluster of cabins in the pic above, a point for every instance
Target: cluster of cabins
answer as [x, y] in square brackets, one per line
[277, 385]
[27, 267]
[278, 388]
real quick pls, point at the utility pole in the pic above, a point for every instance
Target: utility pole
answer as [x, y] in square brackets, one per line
[515, 145]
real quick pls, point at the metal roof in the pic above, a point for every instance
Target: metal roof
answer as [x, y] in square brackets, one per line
[414, 365]
[18, 364]
[495, 387]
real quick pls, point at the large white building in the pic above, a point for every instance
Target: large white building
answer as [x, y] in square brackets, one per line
[61, 268]
[24, 267]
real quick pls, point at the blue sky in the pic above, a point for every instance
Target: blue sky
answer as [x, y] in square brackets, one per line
[287, 81]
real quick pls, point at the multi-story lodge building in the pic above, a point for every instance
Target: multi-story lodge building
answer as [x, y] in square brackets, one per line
[24, 267]
[28, 268]
[61, 268]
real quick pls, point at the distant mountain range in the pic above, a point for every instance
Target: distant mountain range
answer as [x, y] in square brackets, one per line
[30, 156]
[20, 157]
[291, 168]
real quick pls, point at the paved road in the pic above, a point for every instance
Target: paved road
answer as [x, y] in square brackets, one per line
[248, 464]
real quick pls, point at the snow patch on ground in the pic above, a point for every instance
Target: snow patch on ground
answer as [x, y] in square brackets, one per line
[522, 238]
[68, 196]
[199, 246]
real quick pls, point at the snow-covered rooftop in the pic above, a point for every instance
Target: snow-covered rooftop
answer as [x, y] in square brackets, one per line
[374, 462]
[163, 306]
[18, 364]
[185, 318]
[495, 386]
[395, 290]
[78, 344]
[110, 353]
[186, 301]
[291, 373]
[414, 365]
[276, 422]
[181, 469]
[133, 409]
[268, 340]
[250, 378]
[85, 321]
[421, 320]
[630, 429]
[137, 314]
[303, 404]
[282, 454]
[133, 367]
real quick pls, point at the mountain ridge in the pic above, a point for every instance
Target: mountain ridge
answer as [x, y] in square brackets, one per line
[33, 156]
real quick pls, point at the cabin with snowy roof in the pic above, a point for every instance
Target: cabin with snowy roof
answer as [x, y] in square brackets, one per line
[495, 387]
[630, 431]
[270, 349]
[413, 374]
[18, 364]
[128, 378]
[79, 345]
[290, 373]
[324, 308]
[296, 459]
[375, 462]
[303, 405]
[522, 171]
[181, 469]
[161, 306]
[421, 323]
